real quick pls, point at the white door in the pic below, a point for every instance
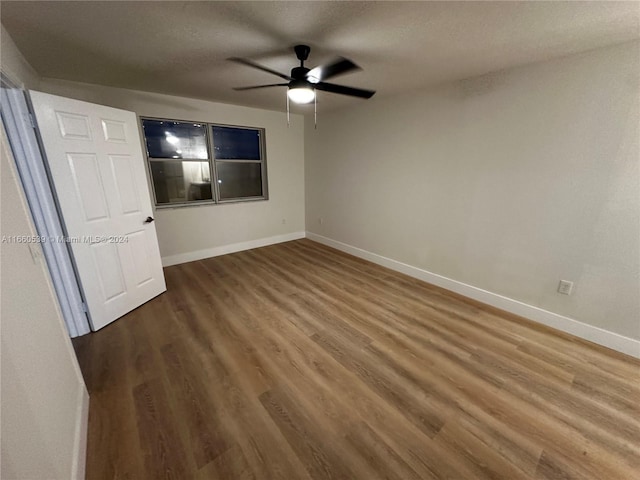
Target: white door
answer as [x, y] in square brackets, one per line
[95, 157]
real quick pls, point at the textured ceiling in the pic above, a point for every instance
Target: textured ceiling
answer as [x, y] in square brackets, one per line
[180, 48]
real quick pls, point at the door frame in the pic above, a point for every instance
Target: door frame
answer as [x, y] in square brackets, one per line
[19, 125]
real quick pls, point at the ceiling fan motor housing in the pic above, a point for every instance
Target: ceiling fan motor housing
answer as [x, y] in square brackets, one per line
[299, 73]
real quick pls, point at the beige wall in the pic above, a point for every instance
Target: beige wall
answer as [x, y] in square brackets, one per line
[43, 398]
[13, 63]
[508, 182]
[184, 231]
[43, 394]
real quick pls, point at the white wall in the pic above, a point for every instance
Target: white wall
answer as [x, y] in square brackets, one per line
[44, 400]
[508, 182]
[198, 232]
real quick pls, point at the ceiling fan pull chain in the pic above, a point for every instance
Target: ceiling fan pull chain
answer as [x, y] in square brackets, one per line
[288, 121]
[315, 112]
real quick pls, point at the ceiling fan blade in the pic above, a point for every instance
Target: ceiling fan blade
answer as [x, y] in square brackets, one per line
[339, 66]
[262, 86]
[342, 90]
[249, 63]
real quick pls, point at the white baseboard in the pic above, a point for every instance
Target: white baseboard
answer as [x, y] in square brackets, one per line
[594, 334]
[231, 248]
[79, 464]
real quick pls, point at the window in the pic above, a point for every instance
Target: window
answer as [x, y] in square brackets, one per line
[196, 163]
[238, 154]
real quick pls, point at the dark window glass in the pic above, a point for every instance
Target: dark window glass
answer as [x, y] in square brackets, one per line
[180, 182]
[166, 139]
[184, 169]
[237, 180]
[236, 143]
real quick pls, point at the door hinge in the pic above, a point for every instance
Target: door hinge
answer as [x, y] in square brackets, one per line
[32, 121]
[84, 307]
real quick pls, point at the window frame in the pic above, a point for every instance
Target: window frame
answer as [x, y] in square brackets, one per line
[211, 159]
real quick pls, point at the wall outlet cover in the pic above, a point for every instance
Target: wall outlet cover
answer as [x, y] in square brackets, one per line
[565, 287]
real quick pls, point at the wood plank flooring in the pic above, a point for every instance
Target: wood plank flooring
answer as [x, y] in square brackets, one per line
[296, 361]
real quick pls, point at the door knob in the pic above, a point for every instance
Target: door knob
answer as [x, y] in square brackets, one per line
[149, 220]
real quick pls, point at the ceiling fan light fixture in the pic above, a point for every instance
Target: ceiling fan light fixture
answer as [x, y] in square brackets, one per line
[301, 94]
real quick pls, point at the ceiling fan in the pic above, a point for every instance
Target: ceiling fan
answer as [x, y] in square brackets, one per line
[303, 82]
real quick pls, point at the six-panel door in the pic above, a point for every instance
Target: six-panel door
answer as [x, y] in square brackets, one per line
[95, 158]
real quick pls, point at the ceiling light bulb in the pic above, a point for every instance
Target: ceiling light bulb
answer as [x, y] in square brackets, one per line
[301, 95]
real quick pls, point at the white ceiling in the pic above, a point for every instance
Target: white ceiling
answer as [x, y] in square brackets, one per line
[180, 48]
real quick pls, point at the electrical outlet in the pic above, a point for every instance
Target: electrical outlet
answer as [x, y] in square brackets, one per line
[320, 220]
[565, 287]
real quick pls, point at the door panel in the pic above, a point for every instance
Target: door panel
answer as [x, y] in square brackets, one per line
[124, 179]
[138, 245]
[95, 158]
[89, 187]
[73, 126]
[114, 131]
[109, 269]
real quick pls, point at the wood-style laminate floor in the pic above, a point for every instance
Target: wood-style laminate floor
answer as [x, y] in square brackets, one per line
[296, 361]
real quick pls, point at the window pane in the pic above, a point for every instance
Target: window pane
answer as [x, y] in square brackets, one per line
[238, 180]
[236, 143]
[180, 182]
[166, 139]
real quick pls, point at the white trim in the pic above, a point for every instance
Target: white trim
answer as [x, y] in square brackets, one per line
[591, 333]
[79, 463]
[230, 248]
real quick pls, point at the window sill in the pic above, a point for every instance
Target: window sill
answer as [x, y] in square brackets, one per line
[210, 203]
